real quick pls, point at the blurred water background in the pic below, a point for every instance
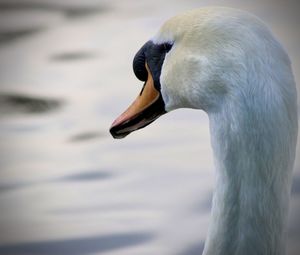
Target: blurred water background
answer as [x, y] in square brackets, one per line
[66, 187]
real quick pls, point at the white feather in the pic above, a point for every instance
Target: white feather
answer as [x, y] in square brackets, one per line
[227, 63]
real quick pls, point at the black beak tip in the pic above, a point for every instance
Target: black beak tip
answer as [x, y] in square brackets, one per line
[117, 134]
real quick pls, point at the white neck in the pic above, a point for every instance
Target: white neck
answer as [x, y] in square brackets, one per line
[254, 157]
[227, 63]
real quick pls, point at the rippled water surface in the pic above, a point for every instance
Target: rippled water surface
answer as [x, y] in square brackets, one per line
[66, 187]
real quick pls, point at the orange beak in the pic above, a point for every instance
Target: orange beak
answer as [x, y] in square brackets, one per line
[146, 108]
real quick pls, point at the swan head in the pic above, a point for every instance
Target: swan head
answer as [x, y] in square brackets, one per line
[206, 59]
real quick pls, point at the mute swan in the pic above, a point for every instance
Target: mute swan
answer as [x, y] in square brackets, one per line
[227, 63]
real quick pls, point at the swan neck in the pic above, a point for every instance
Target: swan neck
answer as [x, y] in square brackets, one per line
[252, 187]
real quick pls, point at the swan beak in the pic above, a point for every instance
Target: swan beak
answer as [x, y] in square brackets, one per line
[146, 108]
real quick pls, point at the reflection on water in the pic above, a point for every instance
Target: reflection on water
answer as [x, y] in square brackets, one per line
[18, 103]
[204, 204]
[84, 176]
[68, 10]
[86, 136]
[72, 56]
[11, 186]
[193, 249]
[93, 209]
[78, 246]
[10, 36]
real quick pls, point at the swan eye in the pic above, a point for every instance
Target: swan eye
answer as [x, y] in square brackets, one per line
[167, 47]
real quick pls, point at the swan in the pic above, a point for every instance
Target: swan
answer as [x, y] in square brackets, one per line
[227, 63]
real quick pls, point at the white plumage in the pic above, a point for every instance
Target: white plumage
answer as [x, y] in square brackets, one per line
[227, 63]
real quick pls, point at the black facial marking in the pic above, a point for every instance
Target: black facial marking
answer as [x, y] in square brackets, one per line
[139, 64]
[154, 55]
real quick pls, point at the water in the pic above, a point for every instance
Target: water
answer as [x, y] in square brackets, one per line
[66, 187]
